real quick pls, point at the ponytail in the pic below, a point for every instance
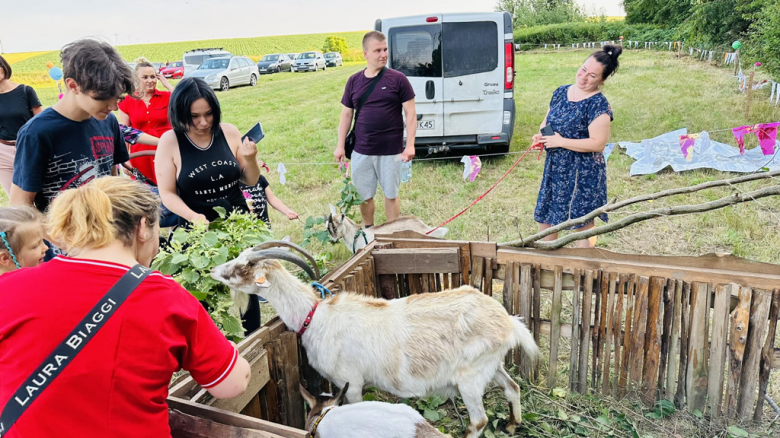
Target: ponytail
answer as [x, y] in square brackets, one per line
[608, 57]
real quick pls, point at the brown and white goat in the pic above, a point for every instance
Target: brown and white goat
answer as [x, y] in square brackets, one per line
[442, 343]
[341, 227]
[329, 419]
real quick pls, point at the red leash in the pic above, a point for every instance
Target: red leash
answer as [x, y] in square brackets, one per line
[537, 146]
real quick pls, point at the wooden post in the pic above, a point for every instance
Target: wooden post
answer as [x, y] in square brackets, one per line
[766, 355]
[738, 335]
[487, 287]
[638, 327]
[525, 312]
[426, 287]
[652, 340]
[349, 283]
[617, 328]
[360, 282]
[696, 378]
[608, 322]
[749, 91]
[759, 319]
[555, 327]
[508, 305]
[575, 332]
[674, 347]
[625, 363]
[537, 312]
[720, 333]
[477, 271]
[665, 337]
[596, 330]
[587, 299]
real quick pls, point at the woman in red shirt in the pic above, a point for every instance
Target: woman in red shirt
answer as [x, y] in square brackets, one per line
[147, 112]
[117, 384]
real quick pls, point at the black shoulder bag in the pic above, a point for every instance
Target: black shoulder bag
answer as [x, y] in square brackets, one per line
[349, 142]
[70, 347]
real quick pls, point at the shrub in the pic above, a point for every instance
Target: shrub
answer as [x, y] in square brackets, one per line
[335, 44]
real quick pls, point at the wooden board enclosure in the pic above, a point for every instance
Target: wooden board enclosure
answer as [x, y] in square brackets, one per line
[699, 331]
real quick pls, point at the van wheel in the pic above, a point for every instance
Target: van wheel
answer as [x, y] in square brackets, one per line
[224, 85]
[253, 81]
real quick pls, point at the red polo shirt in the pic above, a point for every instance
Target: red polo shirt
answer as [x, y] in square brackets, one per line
[117, 385]
[152, 120]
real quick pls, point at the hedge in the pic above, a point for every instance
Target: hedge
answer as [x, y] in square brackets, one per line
[568, 33]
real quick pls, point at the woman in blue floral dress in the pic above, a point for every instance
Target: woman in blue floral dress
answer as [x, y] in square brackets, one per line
[575, 174]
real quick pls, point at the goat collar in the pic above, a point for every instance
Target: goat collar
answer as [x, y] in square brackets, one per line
[361, 232]
[322, 290]
[317, 423]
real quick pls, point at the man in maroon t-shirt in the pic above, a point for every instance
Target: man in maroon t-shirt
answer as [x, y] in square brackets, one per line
[379, 131]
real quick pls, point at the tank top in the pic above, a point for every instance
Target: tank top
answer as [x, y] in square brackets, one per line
[209, 177]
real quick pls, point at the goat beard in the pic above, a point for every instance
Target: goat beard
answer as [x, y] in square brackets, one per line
[240, 302]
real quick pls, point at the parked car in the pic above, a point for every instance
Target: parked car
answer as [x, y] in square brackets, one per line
[309, 61]
[194, 58]
[223, 73]
[275, 63]
[333, 59]
[175, 70]
[292, 57]
[462, 69]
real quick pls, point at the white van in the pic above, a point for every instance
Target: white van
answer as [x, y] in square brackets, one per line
[462, 69]
[194, 58]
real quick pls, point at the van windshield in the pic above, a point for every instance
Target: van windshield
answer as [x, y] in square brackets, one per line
[416, 50]
[214, 64]
[470, 48]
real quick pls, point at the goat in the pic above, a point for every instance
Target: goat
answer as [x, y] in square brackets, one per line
[329, 419]
[341, 227]
[441, 343]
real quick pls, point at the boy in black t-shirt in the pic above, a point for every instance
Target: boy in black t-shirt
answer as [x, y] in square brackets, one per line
[78, 139]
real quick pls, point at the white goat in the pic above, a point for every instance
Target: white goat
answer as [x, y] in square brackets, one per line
[328, 419]
[342, 227]
[441, 343]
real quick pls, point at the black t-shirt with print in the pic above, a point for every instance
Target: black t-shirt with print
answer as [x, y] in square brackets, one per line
[15, 110]
[259, 201]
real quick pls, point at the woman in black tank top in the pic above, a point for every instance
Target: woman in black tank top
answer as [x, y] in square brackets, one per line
[200, 163]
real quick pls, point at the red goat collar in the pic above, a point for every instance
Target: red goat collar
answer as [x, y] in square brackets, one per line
[307, 321]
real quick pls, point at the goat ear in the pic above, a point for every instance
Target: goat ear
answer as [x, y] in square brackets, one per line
[340, 398]
[332, 210]
[310, 399]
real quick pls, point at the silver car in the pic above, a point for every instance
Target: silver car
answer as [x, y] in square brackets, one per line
[309, 61]
[223, 73]
[333, 59]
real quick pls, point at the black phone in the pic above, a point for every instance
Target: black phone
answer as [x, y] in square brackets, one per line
[547, 131]
[255, 134]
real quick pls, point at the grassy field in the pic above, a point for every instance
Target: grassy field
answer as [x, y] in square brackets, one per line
[652, 94]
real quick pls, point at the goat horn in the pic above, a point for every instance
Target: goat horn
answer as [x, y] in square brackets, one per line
[277, 254]
[278, 243]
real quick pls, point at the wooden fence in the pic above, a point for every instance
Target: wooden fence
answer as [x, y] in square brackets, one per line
[698, 331]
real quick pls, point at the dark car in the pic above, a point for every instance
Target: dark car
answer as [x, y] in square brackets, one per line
[274, 63]
[333, 59]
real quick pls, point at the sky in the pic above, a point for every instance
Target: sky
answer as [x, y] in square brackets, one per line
[37, 25]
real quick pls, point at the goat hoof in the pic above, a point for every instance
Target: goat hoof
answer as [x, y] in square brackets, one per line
[508, 427]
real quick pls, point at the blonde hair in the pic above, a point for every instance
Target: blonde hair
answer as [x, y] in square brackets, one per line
[96, 214]
[19, 225]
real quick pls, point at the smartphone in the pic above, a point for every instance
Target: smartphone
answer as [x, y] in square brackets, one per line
[255, 134]
[547, 131]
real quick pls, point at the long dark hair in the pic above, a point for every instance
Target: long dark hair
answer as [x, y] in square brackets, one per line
[608, 57]
[186, 92]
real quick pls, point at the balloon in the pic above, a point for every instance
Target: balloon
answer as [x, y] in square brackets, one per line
[736, 45]
[55, 73]
[49, 65]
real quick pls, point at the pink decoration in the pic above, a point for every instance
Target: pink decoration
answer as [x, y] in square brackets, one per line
[61, 96]
[476, 166]
[758, 64]
[247, 195]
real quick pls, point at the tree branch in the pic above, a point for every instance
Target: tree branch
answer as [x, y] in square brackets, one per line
[612, 205]
[735, 198]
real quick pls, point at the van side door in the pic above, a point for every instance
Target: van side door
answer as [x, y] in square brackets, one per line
[473, 61]
[414, 47]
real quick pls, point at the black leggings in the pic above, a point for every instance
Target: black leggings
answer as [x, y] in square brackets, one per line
[251, 319]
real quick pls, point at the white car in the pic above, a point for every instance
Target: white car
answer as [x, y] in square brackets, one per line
[462, 69]
[194, 58]
[309, 61]
[223, 73]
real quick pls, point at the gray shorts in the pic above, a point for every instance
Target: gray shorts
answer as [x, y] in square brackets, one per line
[367, 170]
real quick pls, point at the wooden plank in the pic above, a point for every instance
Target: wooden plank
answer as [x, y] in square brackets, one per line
[638, 327]
[759, 320]
[403, 284]
[696, 378]
[477, 271]
[652, 340]
[668, 302]
[603, 322]
[446, 281]
[415, 284]
[233, 419]
[487, 287]
[574, 358]
[439, 281]
[552, 375]
[738, 335]
[625, 361]
[509, 306]
[484, 250]
[360, 285]
[371, 286]
[387, 286]
[259, 376]
[685, 329]
[416, 261]
[525, 312]
[350, 284]
[617, 328]
[766, 355]
[608, 325]
[674, 346]
[253, 409]
[426, 287]
[595, 332]
[465, 267]
[338, 273]
[536, 302]
[718, 347]
[516, 303]
[291, 396]
[189, 426]
[587, 300]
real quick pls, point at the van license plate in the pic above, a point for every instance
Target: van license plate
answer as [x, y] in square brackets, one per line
[425, 125]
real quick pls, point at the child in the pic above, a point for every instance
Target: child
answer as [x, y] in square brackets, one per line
[21, 238]
[260, 195]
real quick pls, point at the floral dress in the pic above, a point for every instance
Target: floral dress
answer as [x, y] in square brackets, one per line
[574, 183]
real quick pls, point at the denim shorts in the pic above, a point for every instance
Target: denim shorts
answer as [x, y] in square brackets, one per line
[167, 217]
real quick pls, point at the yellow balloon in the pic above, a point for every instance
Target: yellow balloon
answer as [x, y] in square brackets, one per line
[49, 64]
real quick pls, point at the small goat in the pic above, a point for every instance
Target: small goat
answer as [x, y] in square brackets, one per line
[342, 227]
[441, 343]
[329, 419]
